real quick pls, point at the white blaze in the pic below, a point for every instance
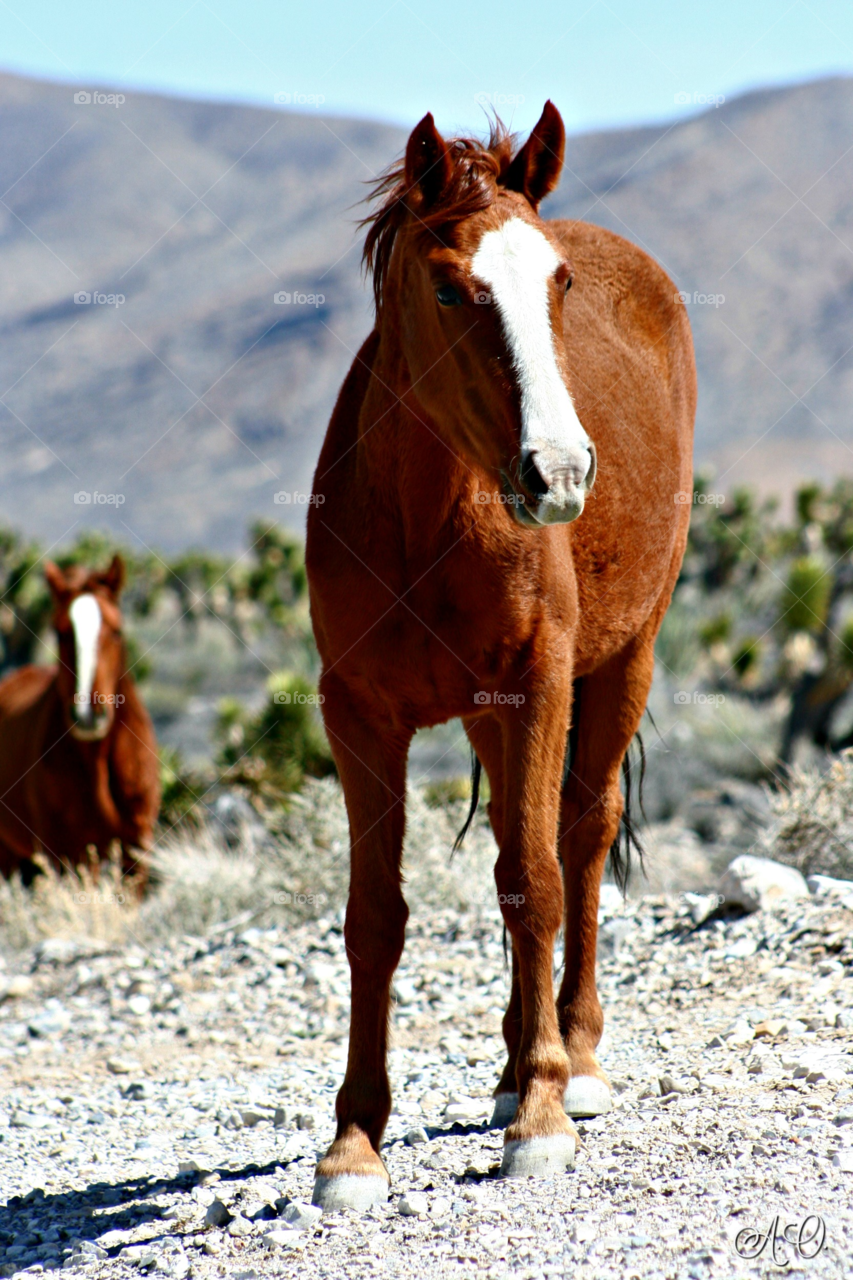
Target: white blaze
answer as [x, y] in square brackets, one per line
[516, 261]
[85, 615]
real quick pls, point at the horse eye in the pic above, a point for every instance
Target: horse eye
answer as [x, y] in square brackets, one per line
[448, 296]
[569, 283]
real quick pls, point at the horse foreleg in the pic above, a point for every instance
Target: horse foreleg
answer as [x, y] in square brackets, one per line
[609, 708]
[540, 1139]
[372, 766]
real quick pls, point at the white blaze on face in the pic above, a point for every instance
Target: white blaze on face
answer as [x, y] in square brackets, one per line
[85, 615]
[516, 261]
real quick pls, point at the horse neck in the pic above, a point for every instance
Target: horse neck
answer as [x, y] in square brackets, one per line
[404, 464]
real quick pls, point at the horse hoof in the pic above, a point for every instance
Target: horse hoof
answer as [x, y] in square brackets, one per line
[587, 1096]
[357, 1191]
[506, 1105]
[538, 1157]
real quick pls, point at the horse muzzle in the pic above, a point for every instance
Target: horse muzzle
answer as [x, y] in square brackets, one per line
[553, 484]
[88, 724]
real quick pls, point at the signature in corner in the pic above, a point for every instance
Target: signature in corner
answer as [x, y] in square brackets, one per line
[807, 1238]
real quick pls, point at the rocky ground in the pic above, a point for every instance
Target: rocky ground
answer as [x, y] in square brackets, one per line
[162, 1109]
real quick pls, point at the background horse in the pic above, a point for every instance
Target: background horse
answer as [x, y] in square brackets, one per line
[446, 580]
[78, 756]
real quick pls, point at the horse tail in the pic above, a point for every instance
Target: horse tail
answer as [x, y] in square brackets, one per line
[476, 774]
[627, 841]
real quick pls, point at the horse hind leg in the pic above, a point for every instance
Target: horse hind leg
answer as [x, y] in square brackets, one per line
[609, 706]
[486, 738]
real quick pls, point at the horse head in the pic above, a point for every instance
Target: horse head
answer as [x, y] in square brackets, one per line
[88, 624]
[474, 283]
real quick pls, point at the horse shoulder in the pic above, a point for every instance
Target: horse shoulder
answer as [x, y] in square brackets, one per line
[23, 689]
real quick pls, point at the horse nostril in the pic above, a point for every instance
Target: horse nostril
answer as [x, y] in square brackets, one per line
[531, 477]
[593, 467]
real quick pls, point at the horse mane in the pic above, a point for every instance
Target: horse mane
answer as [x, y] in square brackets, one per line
[478, 168]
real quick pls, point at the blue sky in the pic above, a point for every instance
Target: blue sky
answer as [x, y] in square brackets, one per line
[604, 62]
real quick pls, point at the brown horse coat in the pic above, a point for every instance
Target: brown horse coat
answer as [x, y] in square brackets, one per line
[66, 784]
[429, 600]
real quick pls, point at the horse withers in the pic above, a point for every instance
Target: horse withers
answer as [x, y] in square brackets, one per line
[461, 563]
[78, 755]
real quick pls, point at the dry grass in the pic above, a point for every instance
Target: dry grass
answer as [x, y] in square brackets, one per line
[813, 827]
[89, 906]
[199, 883]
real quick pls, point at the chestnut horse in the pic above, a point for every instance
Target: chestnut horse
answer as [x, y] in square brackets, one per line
[447, 580]
[78, 756]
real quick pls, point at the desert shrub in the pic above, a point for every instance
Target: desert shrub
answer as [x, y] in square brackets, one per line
[182, 790]
[813, 820]
[805, 599]
[276, 749]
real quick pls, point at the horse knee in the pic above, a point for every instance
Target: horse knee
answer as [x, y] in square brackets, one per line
[374, 938]
[525, 894]
[587, 836]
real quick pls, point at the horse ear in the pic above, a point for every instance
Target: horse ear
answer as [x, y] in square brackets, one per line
[536, 169]
[428, 160]
[55, 579]
[113, 577]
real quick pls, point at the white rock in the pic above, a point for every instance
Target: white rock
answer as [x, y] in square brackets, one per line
[741, 1033]
[440, 1207]
[281, 1237]
[759, 884]
[829, 887]
[413, 1204]
[843, 1160]
[463, 1110]
[405, 991]
[18, 987]
[302, 1216]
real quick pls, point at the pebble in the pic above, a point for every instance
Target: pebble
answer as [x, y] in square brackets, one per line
[302, 1216]
[217, 1214]
[413, 1205]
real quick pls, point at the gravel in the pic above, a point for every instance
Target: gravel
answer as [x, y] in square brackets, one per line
[178, 1135]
